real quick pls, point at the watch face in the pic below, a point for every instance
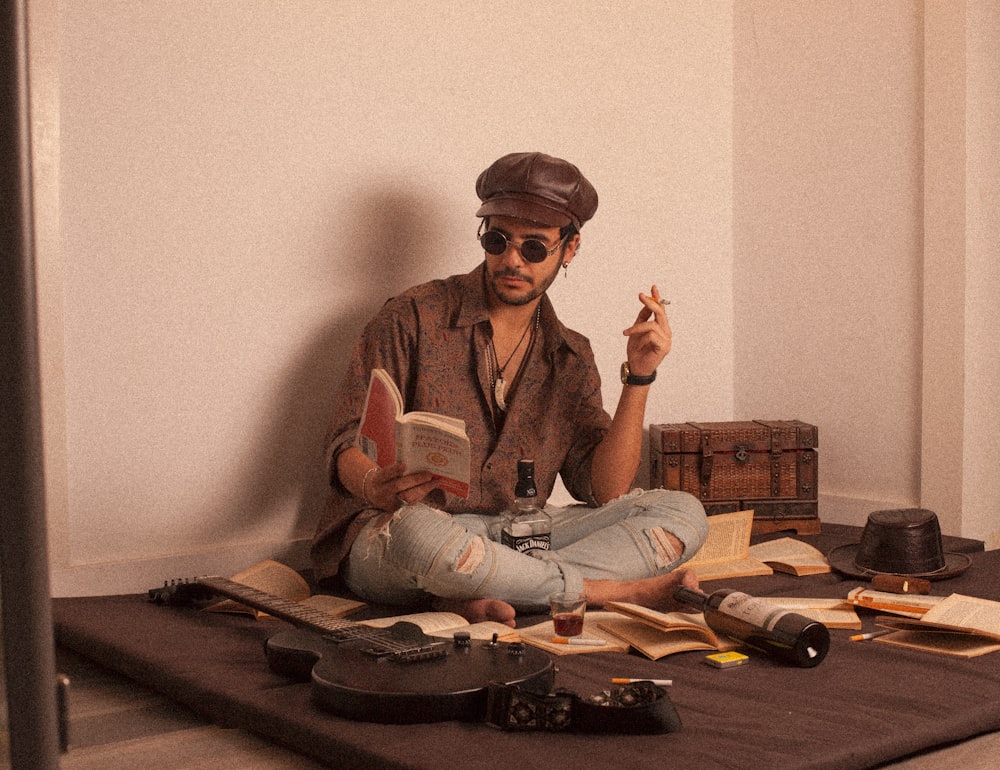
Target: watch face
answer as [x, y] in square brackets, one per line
[635, 379]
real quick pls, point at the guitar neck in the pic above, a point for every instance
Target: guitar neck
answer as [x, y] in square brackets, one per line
[293, 612]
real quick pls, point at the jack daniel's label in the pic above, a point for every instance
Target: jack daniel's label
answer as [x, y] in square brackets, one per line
[528, 542]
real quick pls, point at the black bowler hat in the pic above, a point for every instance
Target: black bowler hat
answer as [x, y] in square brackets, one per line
[905, 542]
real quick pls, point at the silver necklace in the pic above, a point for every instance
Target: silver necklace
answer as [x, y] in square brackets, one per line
[499, 383]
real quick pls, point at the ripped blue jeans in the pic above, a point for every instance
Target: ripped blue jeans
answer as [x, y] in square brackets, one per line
[420, 552]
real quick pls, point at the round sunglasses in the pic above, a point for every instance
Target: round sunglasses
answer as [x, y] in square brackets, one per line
[532, 250]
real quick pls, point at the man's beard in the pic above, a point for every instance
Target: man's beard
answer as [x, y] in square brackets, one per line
[518, 299]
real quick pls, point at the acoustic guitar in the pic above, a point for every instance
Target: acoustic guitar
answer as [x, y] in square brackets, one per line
[392, 675]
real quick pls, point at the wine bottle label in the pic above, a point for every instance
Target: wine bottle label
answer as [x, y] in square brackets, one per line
[525, 543]
[754, 611]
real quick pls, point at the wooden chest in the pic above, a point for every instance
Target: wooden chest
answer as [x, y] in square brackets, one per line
[771, 466]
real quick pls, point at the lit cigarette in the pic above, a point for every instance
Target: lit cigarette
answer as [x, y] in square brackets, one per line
[866, 637]
[578, 640]
[660, 682]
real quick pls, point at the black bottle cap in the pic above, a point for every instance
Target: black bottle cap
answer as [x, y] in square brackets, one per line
[525, 479]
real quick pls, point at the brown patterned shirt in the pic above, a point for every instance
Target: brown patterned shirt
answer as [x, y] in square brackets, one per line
[433, 340]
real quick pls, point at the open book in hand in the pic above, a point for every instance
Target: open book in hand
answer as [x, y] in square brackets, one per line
[961, 626]
[422, 441]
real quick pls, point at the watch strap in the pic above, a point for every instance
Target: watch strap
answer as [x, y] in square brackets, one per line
[636, 379]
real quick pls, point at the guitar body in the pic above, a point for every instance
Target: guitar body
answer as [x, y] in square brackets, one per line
[391, 675]
[403, 676]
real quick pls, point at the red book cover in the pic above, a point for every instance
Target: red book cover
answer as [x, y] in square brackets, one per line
[422, 441]
[377, 433]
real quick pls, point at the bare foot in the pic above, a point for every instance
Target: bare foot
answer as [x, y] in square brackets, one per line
[656, 592]
[478, 610]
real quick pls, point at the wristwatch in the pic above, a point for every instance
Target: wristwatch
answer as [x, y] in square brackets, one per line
[635, 379]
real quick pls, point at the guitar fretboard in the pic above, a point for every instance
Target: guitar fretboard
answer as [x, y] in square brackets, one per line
[293, 612]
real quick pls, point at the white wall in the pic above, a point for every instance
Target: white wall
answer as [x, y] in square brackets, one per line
[981, 447]
[239, 186]
[961, 419]
[226, 191]
[865, 177]
[828, 152]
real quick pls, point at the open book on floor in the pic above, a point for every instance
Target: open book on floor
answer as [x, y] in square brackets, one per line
[726, 552]
[541, 635]
[961, 626]
[446, 624]
[657, 634]
[282, 581]
[832, 613]
[423, 441]
[907, 605]
[786, 554]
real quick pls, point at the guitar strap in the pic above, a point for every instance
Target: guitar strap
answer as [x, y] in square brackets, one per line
[639, 708]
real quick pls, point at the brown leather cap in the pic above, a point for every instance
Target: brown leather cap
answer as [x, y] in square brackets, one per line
[536, 187]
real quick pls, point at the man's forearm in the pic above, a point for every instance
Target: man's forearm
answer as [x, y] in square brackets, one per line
[617, 457]
[351, 466]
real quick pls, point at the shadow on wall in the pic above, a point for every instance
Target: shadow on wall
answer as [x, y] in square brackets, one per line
[386, 244]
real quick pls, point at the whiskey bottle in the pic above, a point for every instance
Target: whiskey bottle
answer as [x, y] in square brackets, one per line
[526, 527]
[785, 635]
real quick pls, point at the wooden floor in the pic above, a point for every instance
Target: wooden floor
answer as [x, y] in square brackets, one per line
[116, 724]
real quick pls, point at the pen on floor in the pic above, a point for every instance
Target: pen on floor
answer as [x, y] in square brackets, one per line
[865, 601]
[872, 635]
[578, 640]
[660, 682]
